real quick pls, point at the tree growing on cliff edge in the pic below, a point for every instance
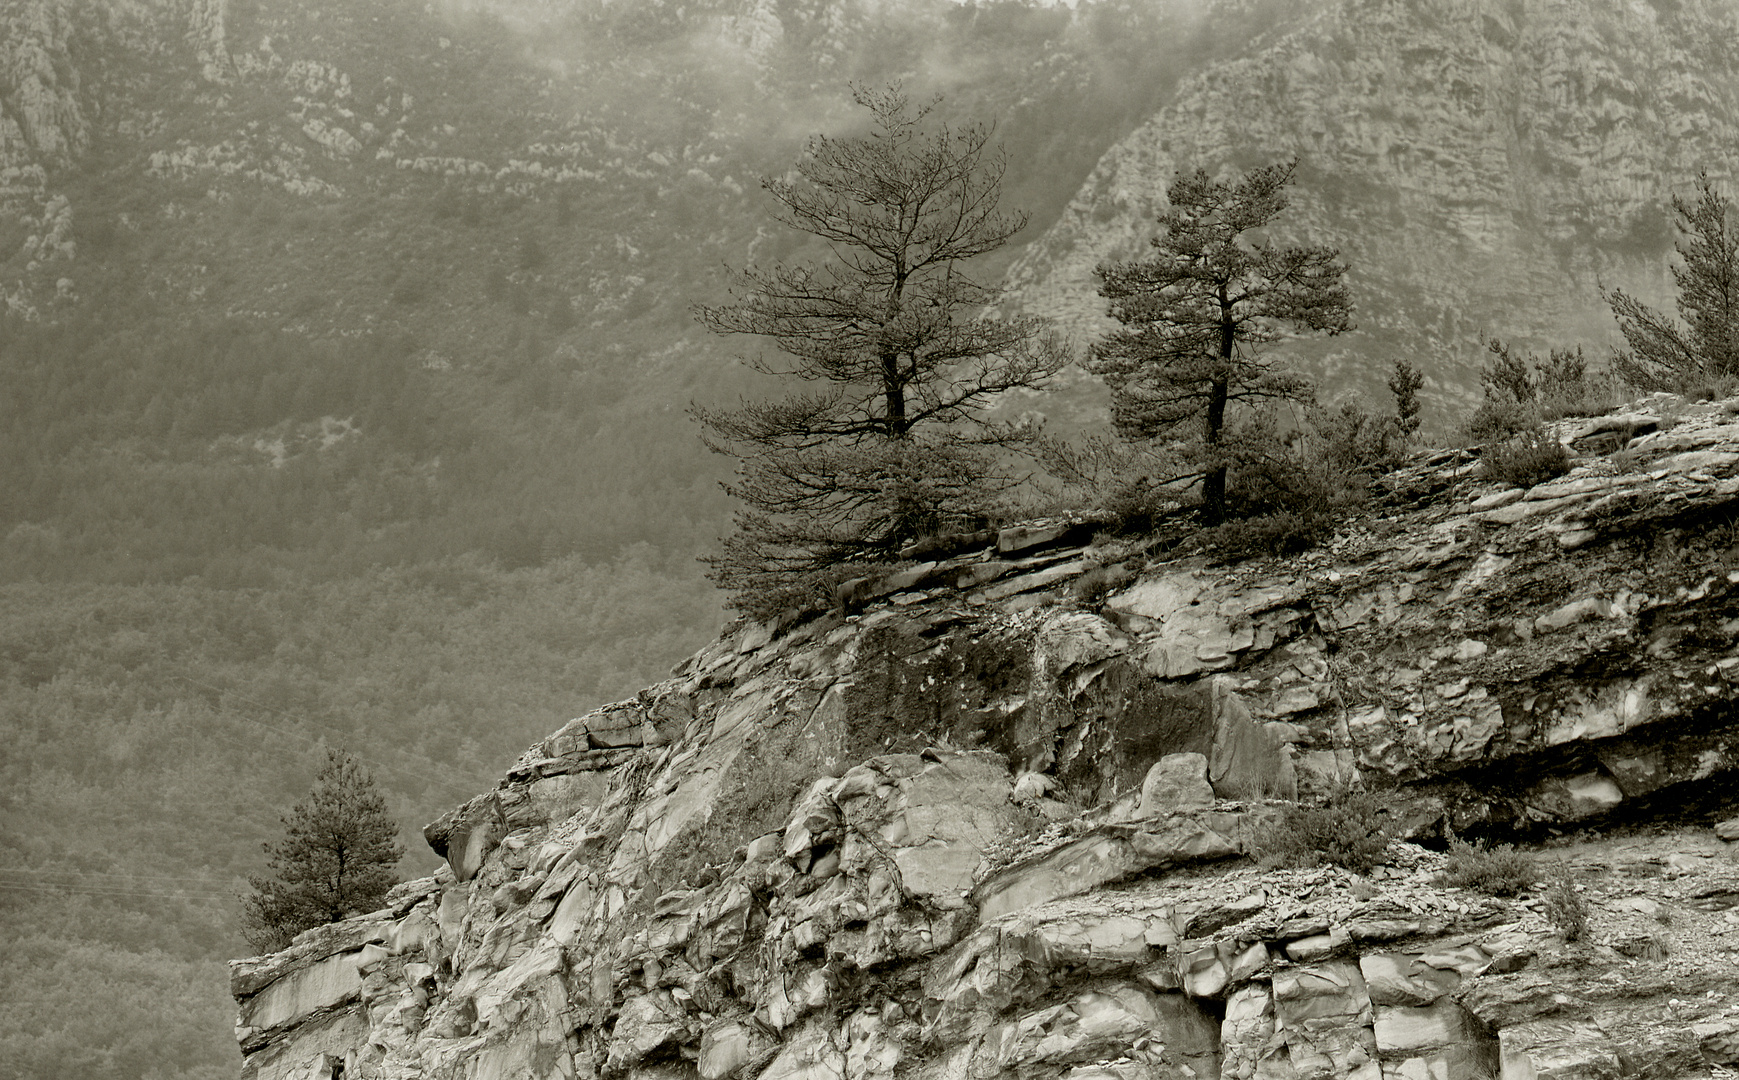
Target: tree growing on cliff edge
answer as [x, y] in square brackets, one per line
[1662, 356]
[889, 440]
[1196, 315]
[336, 858]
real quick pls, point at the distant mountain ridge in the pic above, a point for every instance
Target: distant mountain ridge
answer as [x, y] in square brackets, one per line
[1484, 166]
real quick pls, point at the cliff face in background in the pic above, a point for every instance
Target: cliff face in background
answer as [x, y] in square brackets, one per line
[991, 822]
[345, 358]
[1484, 165]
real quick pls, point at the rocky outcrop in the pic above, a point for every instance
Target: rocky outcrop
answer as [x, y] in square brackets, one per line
[990, 819]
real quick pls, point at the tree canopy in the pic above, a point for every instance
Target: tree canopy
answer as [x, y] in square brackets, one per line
[1661, 354]
[890, 437]
[336, 858]
[1197, 313]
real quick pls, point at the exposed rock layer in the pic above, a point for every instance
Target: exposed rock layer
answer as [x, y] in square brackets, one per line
[980, 826]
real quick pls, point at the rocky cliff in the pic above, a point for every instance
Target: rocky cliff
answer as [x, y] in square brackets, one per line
[1486, 166]
[993, 817]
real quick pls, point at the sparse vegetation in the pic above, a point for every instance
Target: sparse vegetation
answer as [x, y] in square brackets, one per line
[1131, 484]
[1091, 588]
[1662, 356]
[1522, 390]
[1565, 907]
[1346, 831]
[1525, 459]
[1495, 871]
[1283, 532]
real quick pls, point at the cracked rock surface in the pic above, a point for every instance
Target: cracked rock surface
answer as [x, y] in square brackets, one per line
[973, 825]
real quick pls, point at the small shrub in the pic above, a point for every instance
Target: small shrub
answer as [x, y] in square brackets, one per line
[1566, 908]
[1494, 421]
[1558, 386]
[1706, 386]
[1533, 457]
[1498, 871]
[1283, 533]
[1344, 831]
[1092, 588]
[1351, 438]
[1507, 375]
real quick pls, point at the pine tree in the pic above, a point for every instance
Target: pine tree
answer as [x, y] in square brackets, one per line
[1661, 354]
[336, 858]
[893, 441]
[1196, 314]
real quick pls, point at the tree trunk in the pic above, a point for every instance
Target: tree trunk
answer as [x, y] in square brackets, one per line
[1219, 389]
[1214, 482]
[894, 394]
[893, 386]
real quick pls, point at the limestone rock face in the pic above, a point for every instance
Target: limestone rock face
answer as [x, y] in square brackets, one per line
[967, 827]
[1482, 167]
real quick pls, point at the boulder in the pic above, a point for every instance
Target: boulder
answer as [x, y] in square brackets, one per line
[1020, 539]
[1558, 1050]
[1408, 1030]
[1718, 1040]
[321, 985]
[955, 807]
[465, 836]
[1176, 782]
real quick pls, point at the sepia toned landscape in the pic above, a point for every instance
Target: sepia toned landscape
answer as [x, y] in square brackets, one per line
[1004, 649]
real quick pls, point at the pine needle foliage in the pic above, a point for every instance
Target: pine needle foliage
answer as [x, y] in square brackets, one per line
[1196, 315]
[1662, 354]
[890, 439]
[336, 858]
[1405, 382]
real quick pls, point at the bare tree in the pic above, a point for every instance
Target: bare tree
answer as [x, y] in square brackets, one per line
[1196, 314]
[891, 439]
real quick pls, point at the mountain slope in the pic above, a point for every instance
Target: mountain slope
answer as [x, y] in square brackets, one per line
[1484, 166]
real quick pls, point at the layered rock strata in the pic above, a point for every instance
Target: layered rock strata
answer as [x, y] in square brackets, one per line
[1486, 168]
[991, 817]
